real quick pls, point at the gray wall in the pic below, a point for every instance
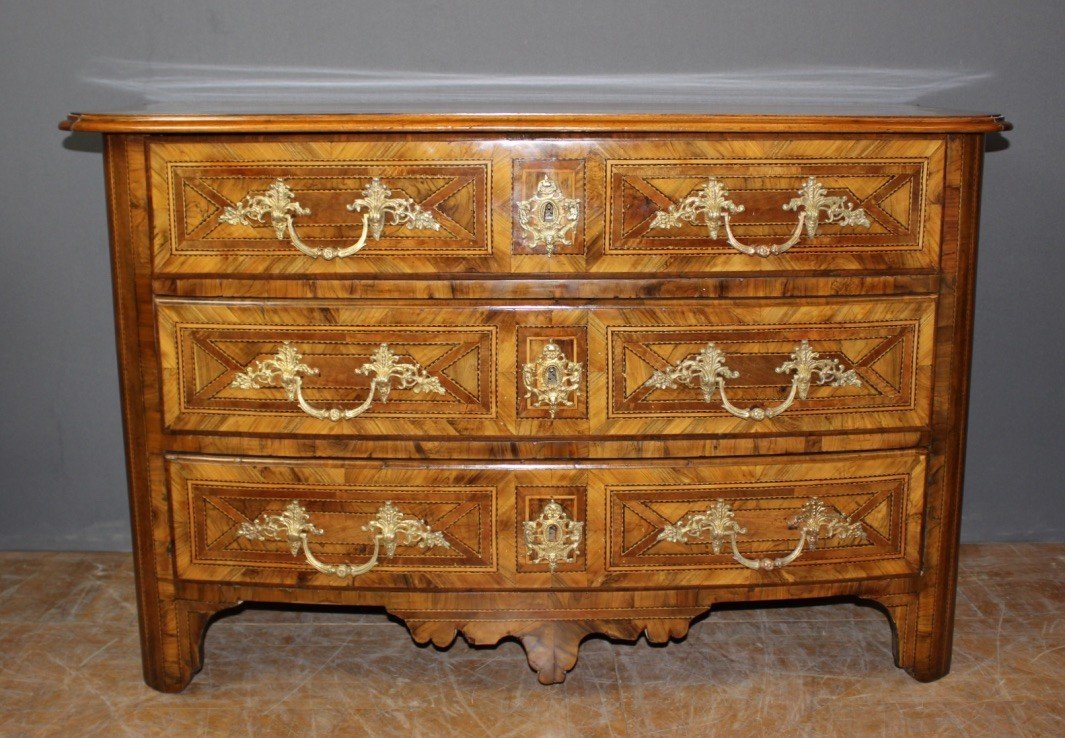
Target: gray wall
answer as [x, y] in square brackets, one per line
[62, 481]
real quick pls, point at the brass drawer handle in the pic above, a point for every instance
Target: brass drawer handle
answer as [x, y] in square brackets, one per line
[549, 216]
[553, 537]
[286, 367]
[707, 369]
[279, 204]
[815, 521]
[552, 379]
[711, 203]
[294, 526]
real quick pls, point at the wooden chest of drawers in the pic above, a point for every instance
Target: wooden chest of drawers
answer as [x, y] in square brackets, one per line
[543, 376]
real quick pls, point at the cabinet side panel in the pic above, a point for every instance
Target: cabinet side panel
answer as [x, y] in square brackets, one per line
[170, 633]
[123, 277]
[935, 616]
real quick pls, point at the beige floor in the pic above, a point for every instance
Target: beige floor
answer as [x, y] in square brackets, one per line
[69, 665]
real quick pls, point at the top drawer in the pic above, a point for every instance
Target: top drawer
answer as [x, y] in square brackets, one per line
[297, 206]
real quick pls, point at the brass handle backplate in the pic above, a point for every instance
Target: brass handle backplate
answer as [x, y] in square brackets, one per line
[711, 206]
[287, 370]
[294, 526]
[814, 521]
[279, 204]
[707, 369]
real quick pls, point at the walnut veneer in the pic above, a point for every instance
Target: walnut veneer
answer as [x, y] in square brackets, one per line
[723, 358]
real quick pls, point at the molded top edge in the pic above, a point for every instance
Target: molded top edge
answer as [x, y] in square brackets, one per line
[807, 119]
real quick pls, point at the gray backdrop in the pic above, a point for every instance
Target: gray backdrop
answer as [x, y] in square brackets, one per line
[62, 479]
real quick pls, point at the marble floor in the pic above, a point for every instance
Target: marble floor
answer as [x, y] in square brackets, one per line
[69, 666]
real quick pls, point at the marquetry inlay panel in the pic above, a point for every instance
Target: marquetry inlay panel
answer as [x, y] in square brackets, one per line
[883, 492]
[205, 346]
[887, 343]
[897, 183]
[196, 183]
[213, 499]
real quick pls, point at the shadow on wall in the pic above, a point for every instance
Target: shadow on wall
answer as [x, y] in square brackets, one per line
[154, 85]
[85, 142]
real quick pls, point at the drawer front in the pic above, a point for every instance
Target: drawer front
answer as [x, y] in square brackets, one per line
[771, 205]
[232, 520]
[632, 524]
[766, 519]
[226, 207]
[222, 372]
[662, 364]
[429, 371]
[326, 208]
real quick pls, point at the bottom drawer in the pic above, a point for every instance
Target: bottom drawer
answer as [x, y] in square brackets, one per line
[447, 525]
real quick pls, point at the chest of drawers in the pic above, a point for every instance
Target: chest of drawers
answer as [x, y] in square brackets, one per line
[543, 376]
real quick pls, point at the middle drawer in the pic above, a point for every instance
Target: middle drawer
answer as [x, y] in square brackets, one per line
[422, 370]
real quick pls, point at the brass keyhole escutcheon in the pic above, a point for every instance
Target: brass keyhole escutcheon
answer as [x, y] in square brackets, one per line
[553, 538]
[548, 218]
[552, 380]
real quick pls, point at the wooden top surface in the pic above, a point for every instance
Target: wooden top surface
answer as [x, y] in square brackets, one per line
[646, 118]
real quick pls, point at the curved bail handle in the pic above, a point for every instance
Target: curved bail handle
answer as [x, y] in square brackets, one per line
[286, 369]
[278, 203]
[328, 252]
[815, 521]
[708, 371]
[711, 204]
[294, 526]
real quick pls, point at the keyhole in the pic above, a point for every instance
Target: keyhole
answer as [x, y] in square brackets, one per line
[551, 376]
[547, 214]
[551, 533]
